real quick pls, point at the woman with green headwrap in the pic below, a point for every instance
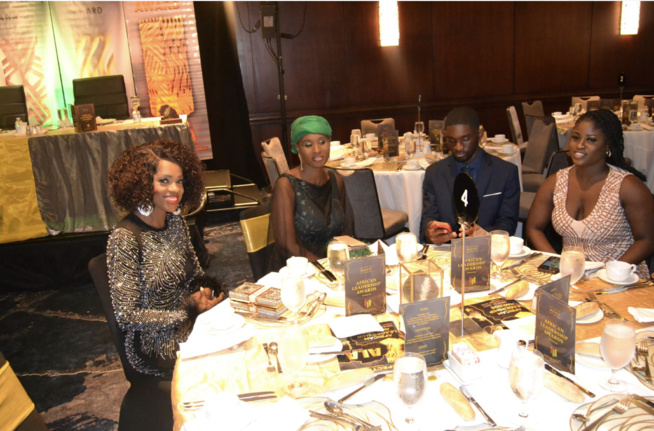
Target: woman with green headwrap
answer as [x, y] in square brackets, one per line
[308, 202]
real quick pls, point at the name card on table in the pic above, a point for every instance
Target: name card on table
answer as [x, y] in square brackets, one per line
[375, 350]
[559, 289]
[494, 311]
[84, 118]
[388, 140]
[555, 332]
[365, 285]
[478, 263]
[427, 325]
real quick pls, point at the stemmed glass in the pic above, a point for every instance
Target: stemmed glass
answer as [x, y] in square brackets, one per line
[419, 129]
[526, 375]
[293, 293]
[409, 147]
[406, 245]
[500, 248]
[338, 253]
[410, 380]
[573, 263]
[293, 356]
[633, 116]
[617, 345]
[136, 104]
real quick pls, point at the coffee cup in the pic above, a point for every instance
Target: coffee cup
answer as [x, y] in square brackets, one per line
[499, 139]
[517, 244]
[619, 271]
[297, 265]
[507, 148]
[349, 161]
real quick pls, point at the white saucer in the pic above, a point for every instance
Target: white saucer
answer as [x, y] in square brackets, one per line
[524, 253]
[336, 346]
[631, 280]
[311, 270]
[409, 168]
[237, 323]
[592, 318]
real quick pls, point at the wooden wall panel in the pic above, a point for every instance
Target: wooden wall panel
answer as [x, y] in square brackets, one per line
[612, 53]
[552, 46]
[472, 49]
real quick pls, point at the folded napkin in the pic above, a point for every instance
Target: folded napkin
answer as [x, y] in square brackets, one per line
[354, 325]
[203, 341]
[643, 315]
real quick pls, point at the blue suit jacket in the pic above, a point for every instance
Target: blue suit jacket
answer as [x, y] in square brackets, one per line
[498, 185]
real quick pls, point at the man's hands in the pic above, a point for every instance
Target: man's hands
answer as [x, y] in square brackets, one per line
[439, 233]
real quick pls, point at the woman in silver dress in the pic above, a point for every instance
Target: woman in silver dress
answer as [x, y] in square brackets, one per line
[153, 270]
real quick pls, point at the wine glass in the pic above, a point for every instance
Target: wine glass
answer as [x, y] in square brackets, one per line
[338, 253]
[406, 245]
[578, 108]
[500, 248]
[293, 293]
[573, 263]
[410, 380]
[293, 355]
[409, 147]
[617, 345]
[419, 129]
[136, 104]
[633, 116]
[526, 375]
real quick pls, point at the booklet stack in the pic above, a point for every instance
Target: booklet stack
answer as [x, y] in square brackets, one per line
[254, 298]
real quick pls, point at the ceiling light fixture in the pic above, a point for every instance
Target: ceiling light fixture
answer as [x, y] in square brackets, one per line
[389, 27]
[630, 17]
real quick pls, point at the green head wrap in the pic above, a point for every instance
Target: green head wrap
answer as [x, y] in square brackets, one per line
[306, 125]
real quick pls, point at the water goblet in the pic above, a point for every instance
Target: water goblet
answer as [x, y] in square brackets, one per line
[406, 245]
[500, 248]
[617, 345]
[409, 147]
[526, 375]
[136, 104]
[578, 108]
[293, 355]
[293, 293]
[337, 253]
[410, 380]
[573, 263]
[633, 116]
[419, 130]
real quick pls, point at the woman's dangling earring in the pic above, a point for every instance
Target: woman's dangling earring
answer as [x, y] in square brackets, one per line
[178, 210]
[608, 153]
[145, 209]
[301, 165]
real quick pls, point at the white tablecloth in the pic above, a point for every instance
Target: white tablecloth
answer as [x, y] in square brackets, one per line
[402, 190]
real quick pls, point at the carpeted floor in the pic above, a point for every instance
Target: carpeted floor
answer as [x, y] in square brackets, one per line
[59, 345]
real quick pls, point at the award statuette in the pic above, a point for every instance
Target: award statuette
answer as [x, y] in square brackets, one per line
[465, 200]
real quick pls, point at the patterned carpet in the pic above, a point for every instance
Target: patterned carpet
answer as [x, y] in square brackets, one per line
[59, 345]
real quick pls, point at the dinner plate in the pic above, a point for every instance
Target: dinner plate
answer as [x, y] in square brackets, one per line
[412, 168]
[526, 251]
[634, 419]
[631, 280]
[591, 361]
[311, 270]
[237, 323]
[591, 318]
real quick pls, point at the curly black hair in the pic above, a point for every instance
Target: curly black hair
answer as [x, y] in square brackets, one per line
[131, 177]
[610, 125]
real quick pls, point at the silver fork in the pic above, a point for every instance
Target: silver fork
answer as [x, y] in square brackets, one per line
[618, 409]
[271, 368]
[643, 350]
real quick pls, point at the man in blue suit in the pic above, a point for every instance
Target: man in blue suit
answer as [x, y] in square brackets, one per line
[497, 182]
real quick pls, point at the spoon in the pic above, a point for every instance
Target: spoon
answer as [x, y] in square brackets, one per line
[585, 417]
[337, 410]
[273, 351]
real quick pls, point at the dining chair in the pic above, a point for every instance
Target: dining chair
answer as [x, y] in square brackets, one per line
[16, 409]
[371, 126]
[531, 111]
[146, 405]
[106, 93]
[583, 100]
[516, 130]
[259, 243]
[371, 222]
[271, 169]
[542, 143]
[644, 101]
[12, 105]
[593, 105]
[273, 148]
[611, 104]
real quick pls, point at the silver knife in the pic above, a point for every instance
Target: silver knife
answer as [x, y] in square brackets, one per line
[365, 385]
[466, 394]
[508, 285]
[643, 405]
[644, 400]
[607, 309]
[528, 258]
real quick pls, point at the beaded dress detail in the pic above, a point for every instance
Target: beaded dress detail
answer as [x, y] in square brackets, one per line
[150, 272]
[605, 233]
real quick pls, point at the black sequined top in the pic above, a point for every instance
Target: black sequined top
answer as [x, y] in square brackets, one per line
[150, 271]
